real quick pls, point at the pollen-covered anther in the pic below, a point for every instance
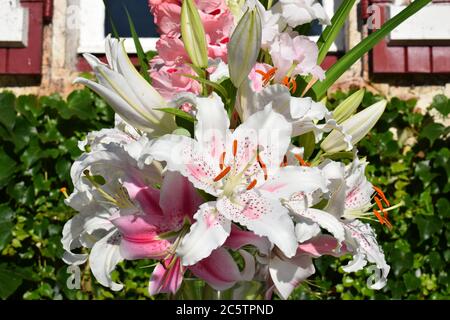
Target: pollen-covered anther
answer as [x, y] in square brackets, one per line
[382, 195]
[383, 219]
[263, 166]
[235, 146]
[252, 184]
[222, 160]
[221, 175]
[267, 76]
[63, 190]
[301, 161]
[290, 83]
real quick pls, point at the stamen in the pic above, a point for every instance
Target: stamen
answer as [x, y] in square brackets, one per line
[222, 174]
[301, 161]
[263, 166]
[382, 195]
[385, 215]
[252, 184]
[222, 160]
[63, 190]
[290, 83]
[378, 215]
[267, 76]
[235, 145]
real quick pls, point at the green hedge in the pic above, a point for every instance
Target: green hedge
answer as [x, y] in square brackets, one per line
[38, 138]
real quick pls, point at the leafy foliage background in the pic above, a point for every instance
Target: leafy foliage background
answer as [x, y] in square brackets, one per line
[38, 139]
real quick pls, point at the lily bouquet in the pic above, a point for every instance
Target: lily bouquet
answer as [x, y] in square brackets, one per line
[225, 163]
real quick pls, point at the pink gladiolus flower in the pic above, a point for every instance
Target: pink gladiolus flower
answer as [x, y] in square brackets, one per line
[170, 80]
[168, 67]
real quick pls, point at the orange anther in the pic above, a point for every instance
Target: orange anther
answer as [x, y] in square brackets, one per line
[235, 145]
[301, 161]
[267, 76]
[252, 185]
[221, 175]
[378, 215]
[382, 195]
[222, 160]
[262, 165]
[290, 83]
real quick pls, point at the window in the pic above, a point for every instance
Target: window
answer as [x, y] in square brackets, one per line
[330, 6]
[94, 24]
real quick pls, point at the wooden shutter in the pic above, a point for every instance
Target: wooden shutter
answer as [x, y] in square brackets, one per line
[27, 61]
[424, 58]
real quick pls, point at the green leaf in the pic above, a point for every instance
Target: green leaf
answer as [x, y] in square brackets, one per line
[9, 281]
[426, 203]
[178, 113]
[436, 262]
[7, 168]
[81, 104]
[308, 142]
[442, 104]
[320, 88]
[7, 109]
[221, 90]
[432, 131]
[428, 226]
[443, 207]
[6, 225]
[411, 281]
[143, 62]
[29, 107]
[331, 32]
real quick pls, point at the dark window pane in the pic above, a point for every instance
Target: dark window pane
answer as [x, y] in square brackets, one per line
[316, 28]
[139, 12]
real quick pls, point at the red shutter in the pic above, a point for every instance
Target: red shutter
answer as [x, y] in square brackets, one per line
[28, 61]
[400, 59]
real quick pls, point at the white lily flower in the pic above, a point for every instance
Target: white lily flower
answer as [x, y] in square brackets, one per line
[304, 114]
[356, 126]
[127, 92]
[299, 12]
[242, 169]
[99, 202]
[350, 199]
[272, 25]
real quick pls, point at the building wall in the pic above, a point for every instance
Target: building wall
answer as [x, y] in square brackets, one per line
[60, 61]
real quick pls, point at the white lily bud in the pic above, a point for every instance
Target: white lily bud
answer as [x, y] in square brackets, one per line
[356, 126]
[127, 92]
[348, 107]
[193, 34]
[244, 45]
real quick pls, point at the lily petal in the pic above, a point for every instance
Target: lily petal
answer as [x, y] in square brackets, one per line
[104, 257]
[209, 232]
[288, 274]
[262, 215]
[219, 270]
[164, 280]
